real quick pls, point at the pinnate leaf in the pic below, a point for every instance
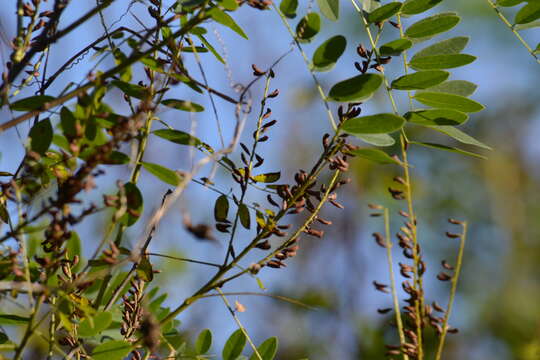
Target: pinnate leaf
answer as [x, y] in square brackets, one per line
[329, 8]
[358, 88]
[456, 87]
[234, 345]
[413, 7]
[326, 55]
[441, 61]
[432, 25]
[374, 124]
[41, 136]
[420, 80]
[384, 12]
[448, 101]
[288, 8]
[308, 27]
[162, 173]
[377, 156]
[436, 117]
[267, 350]
[395, 48]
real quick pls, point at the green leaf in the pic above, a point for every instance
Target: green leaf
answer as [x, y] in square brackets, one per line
[228, 4]
[537, 50]
[395, 48]
[377, 139]
[73, 246]
[243, 213]
[329, 8]
[432, 25]
[358, 88]
[41, 135]
[162, 173]
[135, 204]
[420, 80]
[384, 12]
[10, 319]
[144, 270]
[4, 214]
[177, 137]
[112, 350]
[226, 20]
[267, 350]
[370, 5]
[435, 117]
[221, 208]
[374, 124]
[203, 343]
[528, 13]
[31, 103]
[234, 345]
[448, 101]
[460, 136]
[531, 25]
[132, 90]
[267, 178]
[508, 3]
[441, 61]
[68, 122]
[447, 148]
[308, 27]
[413, 7]
[453, 45]
[288, 8]
[326, 55]
[94, 326]
[183, 105]
[375, 155]
[456, 87]
[212, 50]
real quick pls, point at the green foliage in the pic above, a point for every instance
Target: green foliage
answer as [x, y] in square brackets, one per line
[164, 174]
[267, 350]
[329, 8]
[374, 124]
[308, 27]
[234, 345]
[358, 88]
[288, 8]
[204, 342]
[420, 80]
[328, 53]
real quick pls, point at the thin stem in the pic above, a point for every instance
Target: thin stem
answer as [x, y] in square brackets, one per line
[237, 320]
[513, 29]
[184, 259]
[405, 62]
[308, 64]
[455, 279]
[395, 299]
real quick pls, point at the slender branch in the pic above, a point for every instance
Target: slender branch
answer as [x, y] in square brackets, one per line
[455, 279]
[185, 259]
[237, 320]
[513, 29]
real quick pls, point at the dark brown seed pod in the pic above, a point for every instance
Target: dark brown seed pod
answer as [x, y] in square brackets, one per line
[379, 239]
[452, 235]
[400, 180]
[455, 222]
[403, 213]
[446, 265]
[384, 311]
[442, 276]
[323, 221]
[336, 204]
[271, 201]
[362, 51]
[269, 124]
[437, 307]
[245, 148]
[263, 139]
[276, 264]
[380, 287]
[257, 71]
[375, 206]
[265, 245]
[280, 256]
[376, 214]
[273, 94]
[453, 330]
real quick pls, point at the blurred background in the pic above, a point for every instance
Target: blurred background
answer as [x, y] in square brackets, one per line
[498, 304]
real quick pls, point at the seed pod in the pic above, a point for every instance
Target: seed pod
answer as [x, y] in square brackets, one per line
[380, 287]
[245, 148]
[254, 268]
[437, 307]
[452, 235]
[442, 276]
[379, 239]
[273, 94]
[384, 311]
[375, 206]
[265, 245]
[403, 213]
[455, 222]
[446, 265]
[362, 51]
[257, 71]
[400, 180]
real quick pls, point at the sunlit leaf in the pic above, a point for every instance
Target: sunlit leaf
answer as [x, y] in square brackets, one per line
[204, 342]
[413, 7]
[267, 350]
[358, 88]
[229, 4]
[132, 90]
[509, 2]
[448, 148]
[94, 326]
[183, 105]
[112, 350]
[460, 136]
[41, 135]
[375, 155]
[329, 8]
[177, 137]
[395, 48]
[162, 173]
[453, 45]
[436, 117]
[288, 8]
[308, 27]
[441, 61]
[226, 20]
[448, 101]
[456, 87]
[384, 12]
[267, 178]
[528, 13]
[374, 124]
[10, 319]
[31, 103]
[377, 139]
[234, 345]
[326, 55]
[420, 80]
[144, 270]
[432, 25]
